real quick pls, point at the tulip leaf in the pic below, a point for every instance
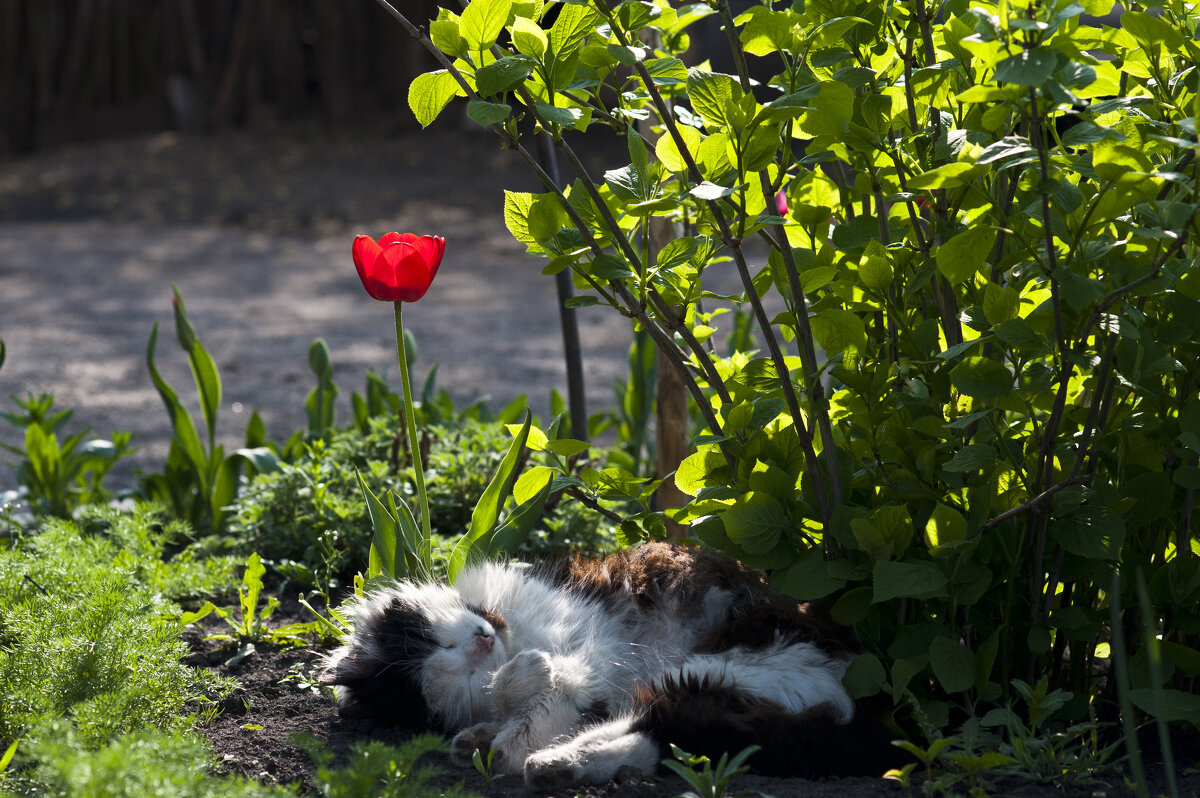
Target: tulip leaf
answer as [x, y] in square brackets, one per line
[181, 421]
[386, 535]
[429, 93]
[513, 531]
[487, 509]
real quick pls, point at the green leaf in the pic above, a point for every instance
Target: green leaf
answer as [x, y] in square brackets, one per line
[1172, 706]
[1028, 67]
[485, 113]
[513, 531]
[565, 117]
[608, 266]
[487, 509]
[839, 330]
[711, 191]
[517, 205]
[567, 447]
[1150, 30]
[1090, 532]
[945, 526]
[982, 378]
[767, 31]
[923, 580]
[11, 751]
[951, 175]
[709, 93]
[429, 93]
[668, 71]
[181, 421]
[535, 440]
[1000, 303]
[1018, 334]
[700, 470]
[865, 676]
[570, 28]
[530, 483]
[973, 457]
[446, 35]
[1113, 160]
[666, 151]
[482, 21]
[502, 74]
[546, 217]
[953, 664]
[529, 38]
[755, 522]
[830, 111]
[807, 578]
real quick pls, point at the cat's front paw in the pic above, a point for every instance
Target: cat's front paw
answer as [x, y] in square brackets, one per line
[524, 677]
[475, 738]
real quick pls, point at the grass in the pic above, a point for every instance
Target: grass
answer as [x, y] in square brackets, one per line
[93, 690]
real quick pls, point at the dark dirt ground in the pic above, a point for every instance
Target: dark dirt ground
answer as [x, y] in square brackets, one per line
[255, 229]
[278, 698]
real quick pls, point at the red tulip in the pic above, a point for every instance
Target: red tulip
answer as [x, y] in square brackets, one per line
[400, 266]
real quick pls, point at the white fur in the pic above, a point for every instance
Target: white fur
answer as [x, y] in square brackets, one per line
[562, 655]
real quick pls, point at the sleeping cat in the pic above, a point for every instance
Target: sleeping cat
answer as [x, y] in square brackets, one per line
[589, 670]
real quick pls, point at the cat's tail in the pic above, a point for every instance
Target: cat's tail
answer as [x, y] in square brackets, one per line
[704, 717]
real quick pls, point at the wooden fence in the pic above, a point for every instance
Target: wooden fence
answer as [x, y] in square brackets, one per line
[74, 69]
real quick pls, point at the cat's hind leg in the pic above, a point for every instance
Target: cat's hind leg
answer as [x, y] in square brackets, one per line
[596, 755]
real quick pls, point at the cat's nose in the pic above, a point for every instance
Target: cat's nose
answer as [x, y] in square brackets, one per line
[485, 642]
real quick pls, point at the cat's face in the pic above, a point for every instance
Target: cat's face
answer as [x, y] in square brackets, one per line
[422, 656]
[471, 643]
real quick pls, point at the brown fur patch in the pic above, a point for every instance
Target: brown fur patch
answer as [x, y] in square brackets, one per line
[667, 574]
[495, 619]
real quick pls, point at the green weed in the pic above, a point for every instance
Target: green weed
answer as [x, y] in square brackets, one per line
[87, 647]
[376, 770]
[248, 620]
[59, 475]
[706, 779]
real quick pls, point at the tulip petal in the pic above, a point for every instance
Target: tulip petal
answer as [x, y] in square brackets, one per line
[392, 238]
[366, 253]
[403, 268]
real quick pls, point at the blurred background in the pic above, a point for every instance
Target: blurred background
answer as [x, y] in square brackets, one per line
[71, 70]
[234, 148]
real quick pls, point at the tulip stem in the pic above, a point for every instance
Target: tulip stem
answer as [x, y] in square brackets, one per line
[410, 423]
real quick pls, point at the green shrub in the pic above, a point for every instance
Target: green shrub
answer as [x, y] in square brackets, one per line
[972, 427]
[312, 511]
